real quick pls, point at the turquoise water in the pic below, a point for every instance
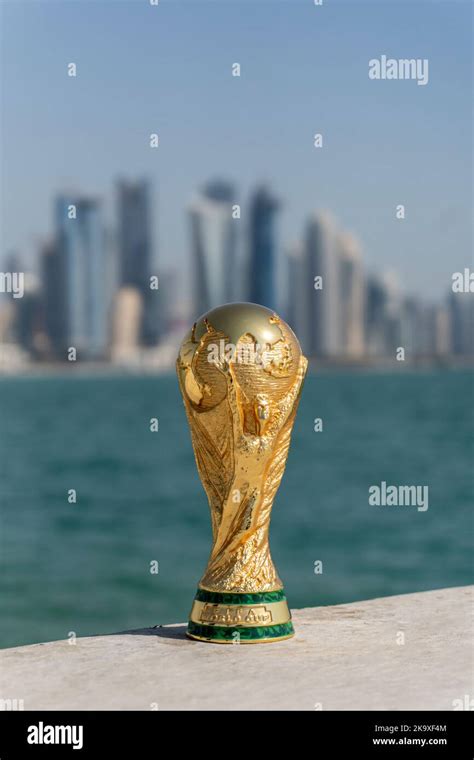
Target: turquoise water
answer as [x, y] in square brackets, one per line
[85, 567]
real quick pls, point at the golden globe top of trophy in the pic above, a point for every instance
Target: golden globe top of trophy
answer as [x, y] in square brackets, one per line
[240, 371]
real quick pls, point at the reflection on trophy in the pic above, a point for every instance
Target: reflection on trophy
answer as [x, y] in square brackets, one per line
[240, 371]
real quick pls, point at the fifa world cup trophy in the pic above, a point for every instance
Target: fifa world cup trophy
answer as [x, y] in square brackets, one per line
[240, 371]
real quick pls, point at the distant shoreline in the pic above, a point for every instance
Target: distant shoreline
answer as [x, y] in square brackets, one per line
[107, 369]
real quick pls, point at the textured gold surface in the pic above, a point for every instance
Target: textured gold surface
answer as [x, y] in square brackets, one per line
[241, 410]
[247, 615]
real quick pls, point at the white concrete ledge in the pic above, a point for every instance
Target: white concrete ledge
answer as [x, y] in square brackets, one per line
[346, 657]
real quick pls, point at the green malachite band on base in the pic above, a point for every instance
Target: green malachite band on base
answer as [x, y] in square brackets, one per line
[226, 634]
[216, 597]
[259, 617]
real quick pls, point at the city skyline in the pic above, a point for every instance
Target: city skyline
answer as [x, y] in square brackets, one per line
[95, 293]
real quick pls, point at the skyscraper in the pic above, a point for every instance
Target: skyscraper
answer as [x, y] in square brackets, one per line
[442, 331]
[213, 235]
[393, 312]
[461, 312]
[411, 326]
[52, 267]
[29, 317]
[136, 251]
[323, 296]
[352, 297]
[126, 324]
[295, 311]
[376, 317]
[81, 246]
[262, 271]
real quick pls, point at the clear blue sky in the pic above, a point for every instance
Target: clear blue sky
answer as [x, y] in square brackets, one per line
[167, 69]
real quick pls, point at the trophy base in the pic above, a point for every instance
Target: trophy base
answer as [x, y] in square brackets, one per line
[239, 618]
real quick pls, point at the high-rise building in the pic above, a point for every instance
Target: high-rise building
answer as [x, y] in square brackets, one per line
[323, 287]
[376, 317]
[393, 313]
[411, 327]
[171, 303]
[134, 234]
[442, 331]
[81, 245]
[126, 324]
[136, 251]
[7, 320]
[28, 321]
[461, 312]
[429, 330]
[352, 297]
[387, 327]
[52, 274]
[213, 234]
[295, 312]
[262, 264]
[25, 311]
[421, 329]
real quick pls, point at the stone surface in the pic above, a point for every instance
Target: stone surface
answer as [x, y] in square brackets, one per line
[344, 657]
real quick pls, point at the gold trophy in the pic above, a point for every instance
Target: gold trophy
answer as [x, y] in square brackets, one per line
[240, 371]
